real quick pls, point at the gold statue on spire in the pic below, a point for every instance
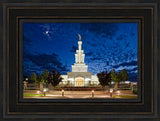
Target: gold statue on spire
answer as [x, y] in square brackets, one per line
[79, 37]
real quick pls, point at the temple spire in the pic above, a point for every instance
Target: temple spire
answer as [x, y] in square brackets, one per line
[79, 44]
[79, 65]
[79, 37]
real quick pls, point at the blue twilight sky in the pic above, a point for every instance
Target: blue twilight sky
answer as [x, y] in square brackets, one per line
[106, 46]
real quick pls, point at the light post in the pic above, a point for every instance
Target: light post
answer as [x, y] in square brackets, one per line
[92, 93]
[38, 92]
[25, 85]
[44, 90]
[111, 91]
[118, 92]
[62, 93]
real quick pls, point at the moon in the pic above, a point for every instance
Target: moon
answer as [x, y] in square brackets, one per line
[47, 32]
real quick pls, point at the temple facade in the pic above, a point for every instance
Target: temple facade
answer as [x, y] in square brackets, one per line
[79, 76]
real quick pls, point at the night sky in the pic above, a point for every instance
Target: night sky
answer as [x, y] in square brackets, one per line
[106, 46]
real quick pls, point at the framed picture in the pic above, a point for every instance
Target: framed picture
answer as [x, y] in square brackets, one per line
[63, 60]
[87, 78]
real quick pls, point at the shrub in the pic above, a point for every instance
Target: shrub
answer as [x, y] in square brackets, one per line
[124, 88]
[135, 91]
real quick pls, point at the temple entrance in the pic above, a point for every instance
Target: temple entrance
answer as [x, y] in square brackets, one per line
[79, 81]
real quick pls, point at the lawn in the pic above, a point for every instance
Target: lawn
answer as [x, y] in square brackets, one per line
[125, 96]
[28, 94]
[42, 95]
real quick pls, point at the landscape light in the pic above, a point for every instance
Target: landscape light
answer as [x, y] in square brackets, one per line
[26, 79]
[111, 91]
[62, 92]
[118, 92]
[38, 92]
[92, 93]
[44, 90]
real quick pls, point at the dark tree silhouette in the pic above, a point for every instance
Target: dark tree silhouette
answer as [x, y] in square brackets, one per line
[54, 78]
[124, 75]
[104, 78]
[33, 78]
[44, 76]
[118, 77]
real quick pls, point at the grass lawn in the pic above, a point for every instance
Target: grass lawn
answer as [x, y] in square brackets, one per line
[28, 94]
[125, 96]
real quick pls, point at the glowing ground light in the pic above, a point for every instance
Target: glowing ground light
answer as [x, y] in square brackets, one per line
[45, 90]
[92, 93]
[38, 92]
[62, 92]
[111, 91]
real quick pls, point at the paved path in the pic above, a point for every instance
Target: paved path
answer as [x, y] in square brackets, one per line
[79, 94]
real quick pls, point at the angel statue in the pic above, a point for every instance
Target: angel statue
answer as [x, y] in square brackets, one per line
[79, 37]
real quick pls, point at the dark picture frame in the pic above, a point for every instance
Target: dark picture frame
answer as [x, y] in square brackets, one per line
[14, 107]
[76, 19]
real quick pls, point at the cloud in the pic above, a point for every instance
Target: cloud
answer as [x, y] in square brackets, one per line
[44, 61]
[107, 62]
[125, 67]
[41, 59]
[74, 48]
[132, 77]
[27, 41]
[92, 43]
[131, 63]
[89, 53]
[132, 34]
[127, 44]
[122, 37]
[95, 58]
[107, 30]
[133, 70]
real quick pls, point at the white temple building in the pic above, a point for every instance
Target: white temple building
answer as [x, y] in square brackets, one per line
[79, 75]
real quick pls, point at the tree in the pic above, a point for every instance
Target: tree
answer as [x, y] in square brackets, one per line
[124, 75]
[54, 78]
[118, 76]
[39, 78]
[33, 77]
[115, 77]
[104, 78]
[44, 76]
